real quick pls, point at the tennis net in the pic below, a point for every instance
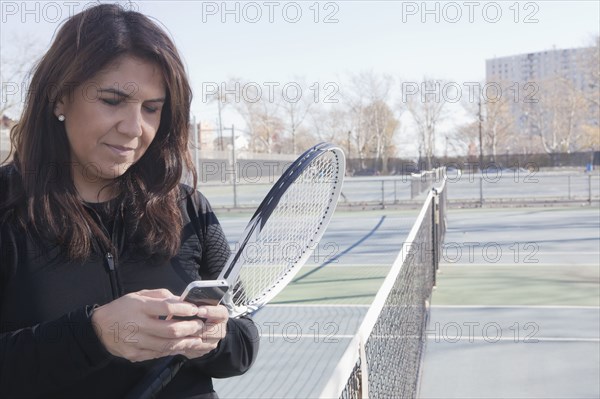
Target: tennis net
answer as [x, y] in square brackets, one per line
[384, 357]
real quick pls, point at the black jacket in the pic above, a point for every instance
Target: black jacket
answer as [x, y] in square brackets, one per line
[48, 345]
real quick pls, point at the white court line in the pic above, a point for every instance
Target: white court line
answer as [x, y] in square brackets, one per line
[330, 338]
[316, 305]
[532, 340]
[317, 337]
[339, 305]
[511, 307]
[563, 253]
[515, 264]
[365, 265]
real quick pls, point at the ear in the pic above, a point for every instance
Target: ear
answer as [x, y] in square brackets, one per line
[59, 107]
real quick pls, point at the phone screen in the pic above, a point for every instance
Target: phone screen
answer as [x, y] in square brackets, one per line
[205, 295]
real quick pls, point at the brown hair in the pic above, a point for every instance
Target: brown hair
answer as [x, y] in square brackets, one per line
[85, 44]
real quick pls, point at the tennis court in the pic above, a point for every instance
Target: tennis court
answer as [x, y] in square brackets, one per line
[523, 319]
[309, 325]
[528, 303]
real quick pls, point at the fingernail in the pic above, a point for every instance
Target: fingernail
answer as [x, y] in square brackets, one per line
[202, 312]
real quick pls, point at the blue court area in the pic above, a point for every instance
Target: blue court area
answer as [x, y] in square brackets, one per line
[522, 324]
[517, 314]
[306, 329]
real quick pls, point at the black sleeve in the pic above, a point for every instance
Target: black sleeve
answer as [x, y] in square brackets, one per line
[237, 351]
[49, 355]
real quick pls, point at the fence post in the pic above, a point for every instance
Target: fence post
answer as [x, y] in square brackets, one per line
[382, 194]
[234, 164]
[590, 189]
[481, 191]
[435, 220]
[196, 145]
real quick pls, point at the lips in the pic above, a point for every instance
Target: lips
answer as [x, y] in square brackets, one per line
[119, 149]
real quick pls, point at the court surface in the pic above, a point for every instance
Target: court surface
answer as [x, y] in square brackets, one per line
[521, 320]
[309, 325]
[515, 315]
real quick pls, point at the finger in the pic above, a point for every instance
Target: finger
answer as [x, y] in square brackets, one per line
[157, 293]
[170, 306]
[159, 347]
[213, 332]
[213, 313]
[144, 347]
[174, 328]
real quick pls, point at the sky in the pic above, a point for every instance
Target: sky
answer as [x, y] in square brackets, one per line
[328, 41]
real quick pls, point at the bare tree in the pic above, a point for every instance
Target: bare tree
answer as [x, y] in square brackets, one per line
[295, 104]
[260, 113]
[589, 137]
[566, 117]
[556, 118]
[265, 126]
[498, 125]
[590, 63]
[330, 124]
[364, 96]
[427, 112]
[16, 59]
[495, 117]
[381, 126]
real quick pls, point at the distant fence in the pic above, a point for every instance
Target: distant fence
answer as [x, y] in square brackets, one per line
[243, 183]
[501, 188]
[400, 166]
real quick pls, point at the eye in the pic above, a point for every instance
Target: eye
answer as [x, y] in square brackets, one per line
[151, 110]
[110, 101]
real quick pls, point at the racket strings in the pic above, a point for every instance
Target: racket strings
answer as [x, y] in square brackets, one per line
[291, 232]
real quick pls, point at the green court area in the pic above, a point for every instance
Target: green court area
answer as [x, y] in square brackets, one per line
[539, 285]
[348, 284]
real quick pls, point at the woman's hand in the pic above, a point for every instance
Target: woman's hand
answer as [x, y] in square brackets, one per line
[131, 326]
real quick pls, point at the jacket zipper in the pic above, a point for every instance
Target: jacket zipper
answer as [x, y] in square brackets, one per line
[110, 261]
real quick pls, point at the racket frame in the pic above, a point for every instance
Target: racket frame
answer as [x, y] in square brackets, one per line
[232, 268]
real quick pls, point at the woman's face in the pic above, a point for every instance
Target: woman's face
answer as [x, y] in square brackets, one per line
[111, 121]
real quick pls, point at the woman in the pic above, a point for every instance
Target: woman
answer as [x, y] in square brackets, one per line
[98, 237]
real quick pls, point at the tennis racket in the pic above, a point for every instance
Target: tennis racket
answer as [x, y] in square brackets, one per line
[279, 238]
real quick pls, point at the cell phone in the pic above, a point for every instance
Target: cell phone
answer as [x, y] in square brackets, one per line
[202, 293]
[205, 292]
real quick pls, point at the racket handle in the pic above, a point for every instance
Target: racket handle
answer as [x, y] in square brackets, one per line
[157, 379]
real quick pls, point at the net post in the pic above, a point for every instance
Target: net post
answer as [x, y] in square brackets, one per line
[435, 221]
[364, 370]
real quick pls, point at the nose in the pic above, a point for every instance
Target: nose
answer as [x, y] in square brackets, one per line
[131, 122]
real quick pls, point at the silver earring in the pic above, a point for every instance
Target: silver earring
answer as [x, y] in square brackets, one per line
[61, 117]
